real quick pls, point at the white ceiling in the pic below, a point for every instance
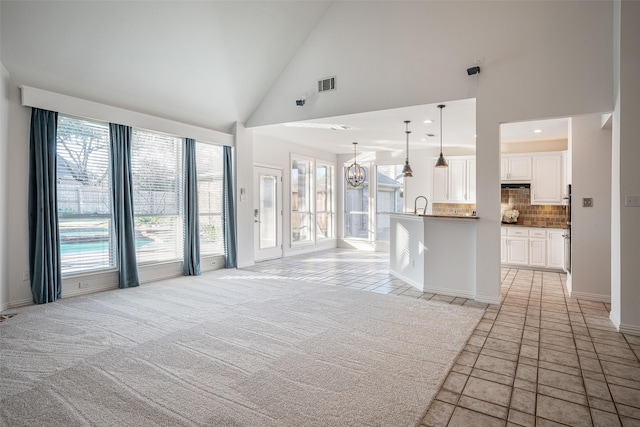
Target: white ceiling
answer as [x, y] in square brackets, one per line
[385, 130]
[207, 63]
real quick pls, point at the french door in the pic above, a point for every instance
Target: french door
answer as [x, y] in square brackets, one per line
[267, 213]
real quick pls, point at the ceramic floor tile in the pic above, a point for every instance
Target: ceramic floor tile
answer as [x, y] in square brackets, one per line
[496, 365]
[562, 411]
[517, 418]
[483, 407]
[438, 414]
[464, 418]
[626, 396]
[604, 419]
[488, 391]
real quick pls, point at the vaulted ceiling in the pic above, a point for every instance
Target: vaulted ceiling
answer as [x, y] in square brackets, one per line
[215, 63]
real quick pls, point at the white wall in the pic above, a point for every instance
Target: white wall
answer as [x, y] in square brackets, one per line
[4, 187]
[389, 54]
[626, 180]
[271, 152]
[591, 177]
[17, 170]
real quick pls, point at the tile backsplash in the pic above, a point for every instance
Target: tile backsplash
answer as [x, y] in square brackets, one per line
[549, 216]
[514, 198]
[452, 208]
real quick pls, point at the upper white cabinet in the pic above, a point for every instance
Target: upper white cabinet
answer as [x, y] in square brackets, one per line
[515, 168]
[548, 179]
[456, 183]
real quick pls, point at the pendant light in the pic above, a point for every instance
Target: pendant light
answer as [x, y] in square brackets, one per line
[406, 170]
[442, 162]
[355, 174]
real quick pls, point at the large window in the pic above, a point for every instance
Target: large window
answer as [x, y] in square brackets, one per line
[389, 197]
[84, 202]
[312, 202]
[209, 162]
[301, 178]
[324, 201]
[156, 162]
[356, 209]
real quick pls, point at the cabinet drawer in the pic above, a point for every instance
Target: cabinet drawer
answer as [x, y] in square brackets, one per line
[503, 231]
[542, 234]
[520, 232]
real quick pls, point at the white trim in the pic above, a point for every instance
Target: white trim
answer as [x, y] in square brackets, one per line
[487, 300]
[21, 303]
[629, 329]
[39, 98]
[590, 297]
[434, 289]
[613, 316]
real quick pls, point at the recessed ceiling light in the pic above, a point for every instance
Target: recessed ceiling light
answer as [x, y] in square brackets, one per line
[423, 139]
[475, 136]
[315, 126]
[428, 121]
[537, 131]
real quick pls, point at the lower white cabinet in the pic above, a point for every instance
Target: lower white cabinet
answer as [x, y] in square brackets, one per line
[555, 250]
[532, 247]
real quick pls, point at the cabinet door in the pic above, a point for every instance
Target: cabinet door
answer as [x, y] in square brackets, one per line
[518, 251]
[555, 252]
[440, 183]
[537, 252]
[519, 168]
[457, 180]
[471, 181]
[503, 250]
[546, 186]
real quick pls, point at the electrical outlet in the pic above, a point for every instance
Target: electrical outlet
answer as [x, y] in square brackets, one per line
[455, 211]
[587, 202]
[213, 262]
[632, 201]
[83, 285]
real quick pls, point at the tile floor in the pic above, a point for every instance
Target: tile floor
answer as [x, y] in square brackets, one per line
[540, 358]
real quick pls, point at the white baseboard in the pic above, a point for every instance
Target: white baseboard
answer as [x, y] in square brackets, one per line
[629, 329]
[21, 303]
[590, 297]
[487, 300]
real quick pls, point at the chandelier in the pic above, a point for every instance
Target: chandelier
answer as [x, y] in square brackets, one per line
[355, 174]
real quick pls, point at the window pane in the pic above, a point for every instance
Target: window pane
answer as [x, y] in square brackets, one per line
[301, 230]
[157, 193]
[84, 202]
[268, 213]
[357, 209]
[324, 201]
[389, 197]
[209, 163]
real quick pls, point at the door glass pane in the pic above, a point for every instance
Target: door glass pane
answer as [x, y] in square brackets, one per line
[389, 197]
[301, 175]
[324, 201]
[268, 214]
[356, 203]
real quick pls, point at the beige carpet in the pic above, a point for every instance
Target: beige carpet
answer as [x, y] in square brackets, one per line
[228, 349]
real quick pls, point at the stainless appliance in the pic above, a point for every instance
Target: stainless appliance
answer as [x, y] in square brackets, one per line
[567, 233]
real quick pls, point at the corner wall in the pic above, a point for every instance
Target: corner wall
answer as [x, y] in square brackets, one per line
[4, 185]
[591, 177]
[625, 251]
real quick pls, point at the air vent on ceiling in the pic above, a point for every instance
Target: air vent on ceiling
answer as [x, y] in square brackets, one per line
[327, 84]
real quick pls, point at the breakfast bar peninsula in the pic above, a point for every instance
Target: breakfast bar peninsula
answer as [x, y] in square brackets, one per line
[434, 253]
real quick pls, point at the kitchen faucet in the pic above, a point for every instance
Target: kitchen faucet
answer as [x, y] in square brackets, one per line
[415, 205]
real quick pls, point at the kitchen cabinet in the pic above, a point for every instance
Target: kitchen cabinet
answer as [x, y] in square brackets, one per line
[532, 247]
[555, 249]
[537, 248]
[548, 179]
[517, 246]
[515, 168]
[456, 183]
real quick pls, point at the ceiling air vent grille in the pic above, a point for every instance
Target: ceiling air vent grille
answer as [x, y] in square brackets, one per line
[327, 84]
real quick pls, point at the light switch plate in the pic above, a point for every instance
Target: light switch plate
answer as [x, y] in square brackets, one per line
[587, 202]
[632, 201]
